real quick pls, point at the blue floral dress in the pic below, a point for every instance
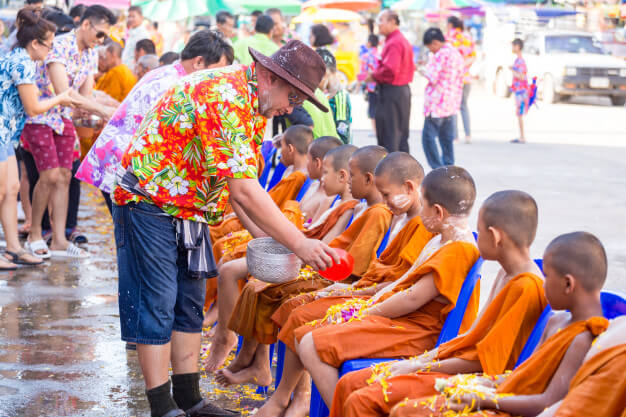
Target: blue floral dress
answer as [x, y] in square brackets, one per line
[16, 68]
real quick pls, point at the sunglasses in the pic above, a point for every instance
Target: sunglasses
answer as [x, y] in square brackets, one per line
[295, 100]
[100, 34]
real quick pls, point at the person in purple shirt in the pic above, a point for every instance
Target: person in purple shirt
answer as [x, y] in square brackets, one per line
[393, 76]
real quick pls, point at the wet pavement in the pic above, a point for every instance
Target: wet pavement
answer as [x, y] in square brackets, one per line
[60, 349]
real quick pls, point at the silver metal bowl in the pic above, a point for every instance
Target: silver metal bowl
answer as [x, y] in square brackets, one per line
[271, 262]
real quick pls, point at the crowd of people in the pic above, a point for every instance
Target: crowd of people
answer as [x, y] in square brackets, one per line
[176, 143]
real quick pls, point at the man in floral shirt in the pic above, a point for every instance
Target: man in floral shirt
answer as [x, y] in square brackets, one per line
[50, 137]
[462, 42]
[206, 49]
[442, 98]
[195, 151]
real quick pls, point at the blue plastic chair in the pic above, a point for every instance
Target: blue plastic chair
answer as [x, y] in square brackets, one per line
[449, 331]
[305, 187]
[383, 243]
[613, 305]
[279, 171]
[268, 166]
[260, 389]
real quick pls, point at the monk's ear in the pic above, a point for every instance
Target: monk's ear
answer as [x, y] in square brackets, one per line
[442, 213]
[494, 235]
[318, 163]
[343, 175]
[569, 283]
[369, 178]
[410, 187]
[291, 148]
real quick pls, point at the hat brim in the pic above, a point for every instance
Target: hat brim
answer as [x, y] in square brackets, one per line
[268, 63]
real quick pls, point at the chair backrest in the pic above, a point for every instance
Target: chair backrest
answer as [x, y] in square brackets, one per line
[267, 167]
[383, 243]
[453, 322]
[305, 187]
[613, 304]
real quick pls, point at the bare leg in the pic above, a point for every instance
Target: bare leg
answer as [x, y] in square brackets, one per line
[227, 292]
[155, 362]
[8, 211]
[25, 198]
[325, 376]
[258, 373]
[210, 317]
[246, 355]
[59, 200]
[47, 182]
[185, 352]
[3, 197]
[301, 401]
[522, 136]
[277, 404]
[373, 125]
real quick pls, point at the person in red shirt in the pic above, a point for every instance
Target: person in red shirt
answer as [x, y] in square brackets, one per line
[393, 76]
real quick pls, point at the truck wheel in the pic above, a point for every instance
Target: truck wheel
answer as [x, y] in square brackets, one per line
[549, 95]
[500, 88]
[618, 100]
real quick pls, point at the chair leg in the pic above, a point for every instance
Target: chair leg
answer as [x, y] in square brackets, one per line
[280, 362]
[318, 407]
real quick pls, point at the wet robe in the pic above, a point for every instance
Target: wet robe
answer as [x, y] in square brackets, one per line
[530, 378]
[393, 263]
[382, 337]
[496, 341]
[599, 385]
[259, 300]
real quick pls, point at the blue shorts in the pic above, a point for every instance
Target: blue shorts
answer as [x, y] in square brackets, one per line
[155, 294]
[6, 151]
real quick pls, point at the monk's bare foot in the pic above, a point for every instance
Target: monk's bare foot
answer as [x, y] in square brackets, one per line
[272, 408]
[299, 406]
[221, 346]
[252, 375]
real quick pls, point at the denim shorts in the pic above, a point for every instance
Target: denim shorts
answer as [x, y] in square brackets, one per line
[6, 151]
[155, 294]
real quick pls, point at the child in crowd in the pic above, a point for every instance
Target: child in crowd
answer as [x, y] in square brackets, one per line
[369, 64]
[520, 88]
[338, 97]
[575, 267]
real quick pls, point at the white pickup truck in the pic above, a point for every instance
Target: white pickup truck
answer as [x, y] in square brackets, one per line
[568, 63]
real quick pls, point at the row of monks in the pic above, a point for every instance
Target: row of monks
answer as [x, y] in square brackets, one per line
[413, 247]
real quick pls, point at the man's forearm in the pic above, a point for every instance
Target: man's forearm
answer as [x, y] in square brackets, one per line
[245, 220]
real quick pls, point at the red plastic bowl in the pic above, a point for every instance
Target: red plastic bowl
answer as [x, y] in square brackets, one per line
[342, 270]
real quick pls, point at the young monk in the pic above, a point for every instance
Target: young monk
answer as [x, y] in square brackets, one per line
[405, 316]
[599, 384]
[258, 301]
[361, 240]
[507, 223]
[575, 267]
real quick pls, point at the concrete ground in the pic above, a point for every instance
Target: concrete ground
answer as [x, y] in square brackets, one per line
[60, 353]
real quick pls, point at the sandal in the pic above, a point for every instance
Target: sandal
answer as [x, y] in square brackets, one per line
[77, 238]
[23, 231]
[72, 251]
[38, 248]
[16, 258]
[13, 267]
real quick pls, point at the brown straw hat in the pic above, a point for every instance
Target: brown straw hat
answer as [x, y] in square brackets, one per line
[297, 64]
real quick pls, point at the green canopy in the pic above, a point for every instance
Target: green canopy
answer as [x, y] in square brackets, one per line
[161, 10]
[289, 7]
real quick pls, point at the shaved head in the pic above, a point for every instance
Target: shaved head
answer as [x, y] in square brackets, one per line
[299, 136]
[115, 48]
[320, 146]
[400, 167]
[340, 156]
[451, 187]
[368, 157]
[581, 255]
[513, 212]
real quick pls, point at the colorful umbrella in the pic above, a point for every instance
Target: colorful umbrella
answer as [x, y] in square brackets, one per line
[111, 4]
[315, 15]
[354, 5]
[162, 10]
[289, 7]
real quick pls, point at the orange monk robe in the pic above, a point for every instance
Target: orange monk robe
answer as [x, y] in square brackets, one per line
[117, 82]
[496, 340]
[599, 385]
[259, 300]
[393, 263]
[382, 337]
[287, 189]
[530, 378]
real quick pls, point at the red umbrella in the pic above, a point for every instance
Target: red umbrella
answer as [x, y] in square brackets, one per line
[354, 5]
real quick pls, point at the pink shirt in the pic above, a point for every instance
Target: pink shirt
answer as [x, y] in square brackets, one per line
[444, 92]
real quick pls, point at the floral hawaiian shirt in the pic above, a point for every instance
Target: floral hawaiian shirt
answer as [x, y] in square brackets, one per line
[465, 45]
[99, 166]
[78, 65]
[205, 129]
[16, 68]
[520, 83]
[443, 94]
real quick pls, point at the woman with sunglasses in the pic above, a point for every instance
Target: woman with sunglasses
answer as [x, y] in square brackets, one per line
[19, 98]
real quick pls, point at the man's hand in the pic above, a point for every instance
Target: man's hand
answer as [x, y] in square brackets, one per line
[369, 78]
[316, 254]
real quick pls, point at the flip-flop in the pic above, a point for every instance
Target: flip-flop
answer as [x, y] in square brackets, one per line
[38, 245]
[72, 251]
[7, 268]
[16, 258]
[517, 141]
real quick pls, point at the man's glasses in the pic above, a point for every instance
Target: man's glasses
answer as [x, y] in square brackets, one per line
[295, 100]
[100, 34]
